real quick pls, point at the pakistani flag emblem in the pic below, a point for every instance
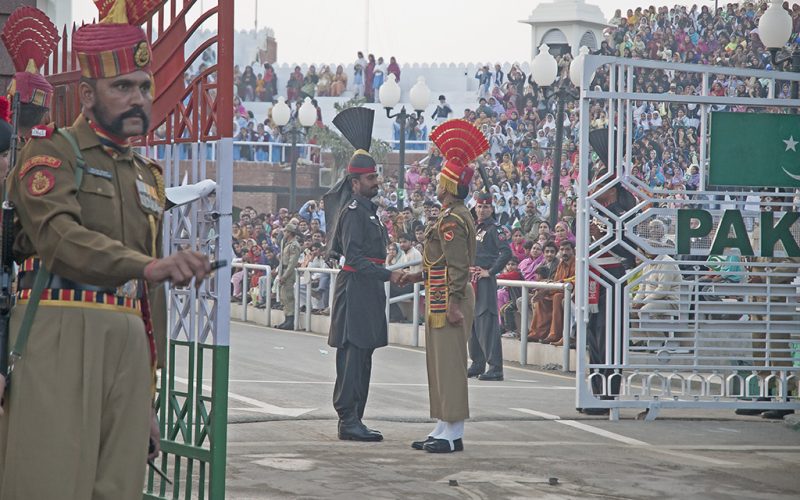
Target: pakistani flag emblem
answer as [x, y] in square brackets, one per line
[754, 150]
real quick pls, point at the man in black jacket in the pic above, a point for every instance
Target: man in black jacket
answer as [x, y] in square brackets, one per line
[358, 317]
[491, 256]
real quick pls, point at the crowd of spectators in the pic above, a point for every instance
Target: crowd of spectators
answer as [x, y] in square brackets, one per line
[520, 125]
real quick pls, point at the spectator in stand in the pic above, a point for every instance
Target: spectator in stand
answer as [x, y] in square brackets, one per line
[407, 254]
[443, 111]
[394, 69]
[369, 72]
[325, 81]
[294, 84]
[247, 84]
[484, 77]
[507, 298]
[339, 84]
[309, 87]
[358, 75]
[268, 84]
[549, 318]
[518, 245]
[497, 76]
[378, 76]
[319, 282]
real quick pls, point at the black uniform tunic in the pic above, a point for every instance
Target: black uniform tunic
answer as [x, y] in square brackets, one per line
[358, 316]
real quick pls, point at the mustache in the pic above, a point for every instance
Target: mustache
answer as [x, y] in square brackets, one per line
[135, 112]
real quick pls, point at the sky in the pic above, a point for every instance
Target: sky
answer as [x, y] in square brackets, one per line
[414, 31]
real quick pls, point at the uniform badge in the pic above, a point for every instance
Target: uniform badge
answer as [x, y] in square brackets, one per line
[501, 234]
[98, 172]
[41, 132]
[353, 205]
[38, 161]
[141, 54]
[148, 197]
[448, 235]
[41, 182]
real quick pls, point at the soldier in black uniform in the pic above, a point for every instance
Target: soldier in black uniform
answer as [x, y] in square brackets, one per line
[358, 317]
[491, 256]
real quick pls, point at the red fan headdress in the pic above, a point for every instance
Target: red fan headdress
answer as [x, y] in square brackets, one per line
[30, 37]
[117, 45]
[460, 143]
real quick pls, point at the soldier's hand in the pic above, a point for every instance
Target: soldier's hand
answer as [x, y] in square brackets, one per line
[179, 268]
[454, 315]
[155, 439]
[397, 276]
[412, 278]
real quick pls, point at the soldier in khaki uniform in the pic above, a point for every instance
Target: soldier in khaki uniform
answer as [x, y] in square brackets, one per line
[448, 254]
[79, 412]
[289, 261]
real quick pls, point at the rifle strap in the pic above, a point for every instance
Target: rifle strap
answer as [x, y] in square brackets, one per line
[42, 274]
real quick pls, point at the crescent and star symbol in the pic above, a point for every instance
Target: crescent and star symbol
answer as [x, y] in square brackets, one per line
[790, 145]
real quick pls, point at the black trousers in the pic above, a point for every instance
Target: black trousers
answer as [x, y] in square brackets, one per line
[353, 369]
[596, 338]
[485, 345]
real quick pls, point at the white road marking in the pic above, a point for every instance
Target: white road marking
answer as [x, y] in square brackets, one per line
[259, 406]
[546, 416]
[624, 439]
[602, 432]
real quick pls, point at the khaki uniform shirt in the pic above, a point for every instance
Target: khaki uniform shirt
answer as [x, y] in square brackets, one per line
[102, 234]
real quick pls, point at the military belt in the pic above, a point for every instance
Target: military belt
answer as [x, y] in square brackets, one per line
[351, 269]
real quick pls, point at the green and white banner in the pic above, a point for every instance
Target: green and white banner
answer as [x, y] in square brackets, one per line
[755, 150]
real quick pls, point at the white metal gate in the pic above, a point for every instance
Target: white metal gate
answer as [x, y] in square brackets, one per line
[719, 344]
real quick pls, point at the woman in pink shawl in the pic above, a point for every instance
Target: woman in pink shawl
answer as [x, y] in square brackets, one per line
[527, 267]
[563, 233]
[394, 69]
[369, 74]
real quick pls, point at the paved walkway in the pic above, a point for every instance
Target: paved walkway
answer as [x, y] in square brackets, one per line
[524, 440]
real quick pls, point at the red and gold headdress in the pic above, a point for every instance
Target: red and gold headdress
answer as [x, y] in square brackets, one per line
[30, 38]
[117, 45]
[460, 143]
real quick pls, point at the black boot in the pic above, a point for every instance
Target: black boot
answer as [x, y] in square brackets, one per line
[351, 429]
[475, 370]
[288, 324]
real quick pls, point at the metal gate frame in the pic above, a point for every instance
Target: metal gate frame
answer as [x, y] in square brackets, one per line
[707, 378]
[196, 144]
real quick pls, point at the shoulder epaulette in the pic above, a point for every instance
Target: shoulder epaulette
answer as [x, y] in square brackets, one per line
[42, 131]
[149, 162]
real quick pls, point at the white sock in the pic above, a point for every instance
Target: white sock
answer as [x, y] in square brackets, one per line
[438, 430]
[453, 431]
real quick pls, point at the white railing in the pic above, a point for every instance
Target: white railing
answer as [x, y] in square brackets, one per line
[526, 286]
[265, 152]
[414, 296]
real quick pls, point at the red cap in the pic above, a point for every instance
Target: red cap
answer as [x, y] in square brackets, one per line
[33, 88]
[107, 50]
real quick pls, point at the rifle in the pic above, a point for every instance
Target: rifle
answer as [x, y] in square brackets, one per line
[6, 250]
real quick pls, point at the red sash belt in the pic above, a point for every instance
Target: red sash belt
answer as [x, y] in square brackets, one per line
[371, 259]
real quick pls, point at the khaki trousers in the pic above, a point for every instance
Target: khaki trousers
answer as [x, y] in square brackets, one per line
[446, 356]
[78, 413]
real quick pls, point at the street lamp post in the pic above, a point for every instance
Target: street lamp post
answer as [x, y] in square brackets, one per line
[774, 30]
[282, 116]
[389, 95]
[544, 70]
